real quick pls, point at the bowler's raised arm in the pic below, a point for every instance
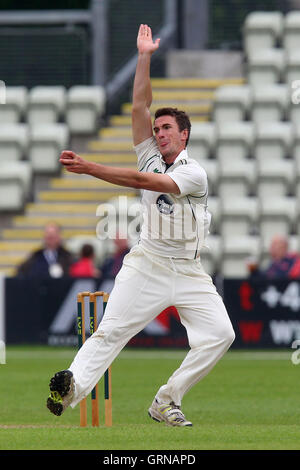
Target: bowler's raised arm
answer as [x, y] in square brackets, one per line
[142, 92]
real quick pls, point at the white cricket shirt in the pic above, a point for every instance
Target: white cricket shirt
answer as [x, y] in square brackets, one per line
[174, 225]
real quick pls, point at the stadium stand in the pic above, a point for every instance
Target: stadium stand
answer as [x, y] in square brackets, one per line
[245, 133]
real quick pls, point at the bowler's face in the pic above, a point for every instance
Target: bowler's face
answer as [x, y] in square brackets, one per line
[170, 140]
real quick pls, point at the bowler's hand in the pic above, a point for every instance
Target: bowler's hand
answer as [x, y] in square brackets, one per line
[73, 162]
[144, 40]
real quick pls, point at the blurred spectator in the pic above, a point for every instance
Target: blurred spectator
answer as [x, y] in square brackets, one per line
[112, 264]
[283, 265]
[85, 266]
[51, 261]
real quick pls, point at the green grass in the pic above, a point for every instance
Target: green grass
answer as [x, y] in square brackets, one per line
[249, 401]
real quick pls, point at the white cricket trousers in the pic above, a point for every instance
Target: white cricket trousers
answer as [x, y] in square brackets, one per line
[146, 285]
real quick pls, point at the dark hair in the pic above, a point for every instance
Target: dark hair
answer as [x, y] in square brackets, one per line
[87, 251]
[181, 117]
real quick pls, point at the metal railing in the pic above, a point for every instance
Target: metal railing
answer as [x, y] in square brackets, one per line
[96, 19]
[166, 35]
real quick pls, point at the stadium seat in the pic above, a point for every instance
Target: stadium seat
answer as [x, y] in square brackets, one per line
[292, 69]
[212, 170]
[291, 31]
[297, 192]
[243, 170]
[295, 150]
[234, 141]
[266, 66]
[294, 114]
[293, 111]
[239, 216]
[21, 170]
[236, 250]
[214, 208]
[12, 193]
[46, 104]
[14, 109]
[262, 30]
[269, 103]
[277, 215]
[211, 254]
[294, 243]
[46, 143]
[275, 177]
[231, 103]
[202, 140]
[13, 141]
[85, 105]
[234, 188]
[273, 140]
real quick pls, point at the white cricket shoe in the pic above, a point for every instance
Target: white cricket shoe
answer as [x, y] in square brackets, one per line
[169, 413]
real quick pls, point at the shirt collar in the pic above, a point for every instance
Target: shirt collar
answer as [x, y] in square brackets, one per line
[182, 156]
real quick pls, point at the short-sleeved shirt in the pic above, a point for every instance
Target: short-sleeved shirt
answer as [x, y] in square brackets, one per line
[174, 225]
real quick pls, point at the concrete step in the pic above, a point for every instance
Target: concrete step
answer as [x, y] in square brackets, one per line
[182, 95]
[193, 83]
[190, 108]
[19, 247]
[11, 259]
[7, 271]
[80, 196]
[63, 220]
[111, 146]
[54, 208]
[127, 158]
[36, 234]
[81, 183]
[116, 132]
[125, 120]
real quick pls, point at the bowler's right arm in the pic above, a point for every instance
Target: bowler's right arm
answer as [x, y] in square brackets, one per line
[142, 91]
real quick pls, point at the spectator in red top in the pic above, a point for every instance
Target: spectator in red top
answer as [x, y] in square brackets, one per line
[85, 266]
[294, 272]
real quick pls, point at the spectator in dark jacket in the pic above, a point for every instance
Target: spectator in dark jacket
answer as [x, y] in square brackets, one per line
[50, 261]
[283, 265]
[112, 264]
